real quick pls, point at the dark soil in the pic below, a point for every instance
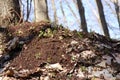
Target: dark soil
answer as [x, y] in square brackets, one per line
[45, 44]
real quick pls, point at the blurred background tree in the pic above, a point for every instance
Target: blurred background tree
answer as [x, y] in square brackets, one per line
[101, 16]
[41, 10]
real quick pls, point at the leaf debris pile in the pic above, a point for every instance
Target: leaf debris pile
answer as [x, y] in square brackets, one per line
[47, 52]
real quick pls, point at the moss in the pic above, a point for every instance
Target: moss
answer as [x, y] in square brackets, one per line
[37, 55]
[83, 68]
[46, 33]
[80, 34]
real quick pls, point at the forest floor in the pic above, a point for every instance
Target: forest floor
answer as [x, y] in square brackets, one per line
[46, 51]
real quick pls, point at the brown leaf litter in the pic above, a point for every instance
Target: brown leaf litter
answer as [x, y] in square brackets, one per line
[46, 52]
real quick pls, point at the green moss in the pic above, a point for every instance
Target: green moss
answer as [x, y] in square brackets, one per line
[19, 32]
[37, 55]
[83, 68]
[69, 76]
[80, 34]
[41, 33]
[49, 60]
[47, 33]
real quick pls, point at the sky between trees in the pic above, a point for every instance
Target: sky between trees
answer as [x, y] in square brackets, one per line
[71, 19]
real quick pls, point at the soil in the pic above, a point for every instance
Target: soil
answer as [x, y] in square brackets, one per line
[46, 45]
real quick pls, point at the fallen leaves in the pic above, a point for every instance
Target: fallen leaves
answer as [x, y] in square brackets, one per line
[64, 56]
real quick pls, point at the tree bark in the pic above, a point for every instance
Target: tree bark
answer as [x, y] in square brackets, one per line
[29, 5]
[82, 16]
[102, 18]
[41, 10]
[9, 12]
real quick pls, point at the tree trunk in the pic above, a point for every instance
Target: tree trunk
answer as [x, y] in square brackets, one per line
[102, 18]
[41, 10]
[82, 16]
[9, 12]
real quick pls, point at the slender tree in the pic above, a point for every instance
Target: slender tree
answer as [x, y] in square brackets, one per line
[29, 6]
[102, 18]
[9, 12]
[82, 16]
[41, 10]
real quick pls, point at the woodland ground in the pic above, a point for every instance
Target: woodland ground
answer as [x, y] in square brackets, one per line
[45, 51]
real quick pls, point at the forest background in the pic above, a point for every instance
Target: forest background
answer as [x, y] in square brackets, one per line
[66, 12]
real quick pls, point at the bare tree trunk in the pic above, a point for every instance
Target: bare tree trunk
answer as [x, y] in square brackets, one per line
[102, 18]
[29, 5]
[41, 10]
[82, 16]
[9, 12]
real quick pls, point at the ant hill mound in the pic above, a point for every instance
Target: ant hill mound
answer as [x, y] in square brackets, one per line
[46, 51]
